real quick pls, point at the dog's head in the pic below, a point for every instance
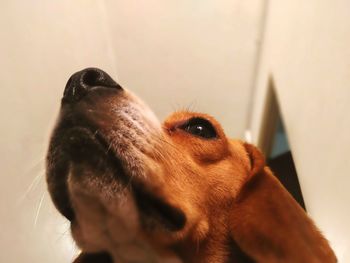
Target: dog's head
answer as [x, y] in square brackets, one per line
[139, 190]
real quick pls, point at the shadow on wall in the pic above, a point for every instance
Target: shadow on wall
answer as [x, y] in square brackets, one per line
[275, 145]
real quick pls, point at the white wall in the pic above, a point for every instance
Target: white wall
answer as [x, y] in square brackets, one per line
[306, 51]
[197, 54]
[41, 45]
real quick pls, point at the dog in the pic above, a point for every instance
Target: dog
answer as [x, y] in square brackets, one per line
[135, 190]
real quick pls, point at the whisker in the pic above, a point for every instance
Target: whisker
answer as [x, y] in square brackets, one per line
[64, 233]
[109, 147]
[34, 165]
[39, 208]
[31, 187]
[175, 106]
[191, 106]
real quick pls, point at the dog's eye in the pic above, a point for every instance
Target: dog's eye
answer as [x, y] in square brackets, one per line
[200, 127]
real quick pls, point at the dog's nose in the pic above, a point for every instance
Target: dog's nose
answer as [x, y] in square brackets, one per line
[82, 81]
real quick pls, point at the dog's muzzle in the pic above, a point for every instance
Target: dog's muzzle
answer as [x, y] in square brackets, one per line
[104, 131]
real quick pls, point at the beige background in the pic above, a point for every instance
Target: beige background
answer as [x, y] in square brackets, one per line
[204, 55]
[306, 53]
[179, 54]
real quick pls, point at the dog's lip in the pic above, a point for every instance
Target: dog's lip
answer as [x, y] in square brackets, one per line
[171, 217]
[87, 144]
[102, 257]
[80, 141]
[81, 144]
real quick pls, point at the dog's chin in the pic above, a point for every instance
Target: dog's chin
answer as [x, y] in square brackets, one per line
[123, 226]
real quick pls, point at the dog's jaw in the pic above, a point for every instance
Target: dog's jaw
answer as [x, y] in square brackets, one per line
[100, 170]
[111, 223]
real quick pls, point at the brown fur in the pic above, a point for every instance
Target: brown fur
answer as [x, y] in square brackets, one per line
[234, 209]
[270, 226]
[227, 193]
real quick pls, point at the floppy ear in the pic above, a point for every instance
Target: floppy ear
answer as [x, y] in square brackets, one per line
[268, 225]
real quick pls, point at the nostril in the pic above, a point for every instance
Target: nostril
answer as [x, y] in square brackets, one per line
[91, 78]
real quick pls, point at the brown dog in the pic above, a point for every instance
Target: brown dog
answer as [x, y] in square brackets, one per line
[138, 191]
